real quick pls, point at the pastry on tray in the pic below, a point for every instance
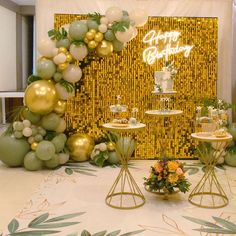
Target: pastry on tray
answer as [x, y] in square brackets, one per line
[220, 133]
[120, 123]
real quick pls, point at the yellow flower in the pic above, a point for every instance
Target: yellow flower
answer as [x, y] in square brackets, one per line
[173, 178]
[159, 177]
[172, 166]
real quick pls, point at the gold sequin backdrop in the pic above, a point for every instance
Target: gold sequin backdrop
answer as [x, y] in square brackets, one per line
[127, 75]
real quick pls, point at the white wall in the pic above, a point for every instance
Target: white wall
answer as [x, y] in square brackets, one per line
[7, 49]
[191, 8]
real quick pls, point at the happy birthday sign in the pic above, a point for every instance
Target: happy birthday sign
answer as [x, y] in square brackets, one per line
[170, 39]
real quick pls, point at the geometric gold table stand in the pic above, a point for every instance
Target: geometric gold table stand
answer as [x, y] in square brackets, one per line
[208, 193]
[124, 193]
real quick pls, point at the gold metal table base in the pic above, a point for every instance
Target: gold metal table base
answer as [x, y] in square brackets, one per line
[125, 193]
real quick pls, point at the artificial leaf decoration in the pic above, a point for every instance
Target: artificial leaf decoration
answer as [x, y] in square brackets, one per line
[120, 26]
[96, 17]
[37, 221]
[35, 233]
[78, 168]
[85, 233]
[114, 233]
[13, 226]
[68, 86]
[68, 171]
[102, 233]
[78, 42]
[133, 232]
[57, 34]
[54, 225]
[65, 217]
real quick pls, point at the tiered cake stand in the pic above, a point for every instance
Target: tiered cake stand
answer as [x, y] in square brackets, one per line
[208, 193]
[160, 116]
[125, 193]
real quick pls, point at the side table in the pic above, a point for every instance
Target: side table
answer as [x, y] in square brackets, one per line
[208, 193]
[124, 193]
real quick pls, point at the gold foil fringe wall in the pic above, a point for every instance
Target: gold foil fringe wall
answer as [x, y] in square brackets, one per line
[127, 75]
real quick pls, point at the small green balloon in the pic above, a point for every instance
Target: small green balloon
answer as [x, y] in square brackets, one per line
[63, 136]
[63, 43]
[113, 158]
[77, 30]
[45, 150]
[31, 162]
[32, 117]
[12, 150]
[18, 134]
[117, 45]
[230, 159]
[58, 143]
[92, 24]
[53, 162]
[34, 131]
[57, 76]
[109, 35]
[45, 68]
[18, 126]
[50, 121]
[38, 138]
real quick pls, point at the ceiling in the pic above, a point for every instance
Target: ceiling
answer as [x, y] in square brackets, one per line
[24, 2]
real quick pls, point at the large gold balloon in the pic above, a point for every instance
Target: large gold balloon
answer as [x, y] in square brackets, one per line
[41, 97]
[80, 146]
[104, 48]
[60, 107]
[110, 147]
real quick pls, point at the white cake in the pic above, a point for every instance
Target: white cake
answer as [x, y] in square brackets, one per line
[163, 82]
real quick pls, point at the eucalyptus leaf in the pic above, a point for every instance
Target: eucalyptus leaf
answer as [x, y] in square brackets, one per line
[40, 219]
[102, 233]
[35, 232]
[114, 233]
[64, 217]
[83, 172]
[73, 234]
[68, 171]
[85, 233]
[216, 231]
[54, 225]
[192, 171]
[220, 167]
[13, 226]
[133, 232]
[202, 222]
[227, 224]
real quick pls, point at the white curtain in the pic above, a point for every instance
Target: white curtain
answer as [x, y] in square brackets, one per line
[45, 10]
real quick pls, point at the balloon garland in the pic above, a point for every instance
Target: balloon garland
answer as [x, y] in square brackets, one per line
[37, 138]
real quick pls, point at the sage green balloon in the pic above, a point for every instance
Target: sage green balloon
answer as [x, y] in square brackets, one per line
[113, 158]
[31, 162]
[53, 162]
[45, 68]
[63, 137]
[118, 46]
[57, 76]
[92, 24]
[230, 159]
[63, 43]
[50, 121]
[13, 151]
[45, 150]
[59, 143]
[77, 30]
[32, 117]
[109, 35]
[232, 130]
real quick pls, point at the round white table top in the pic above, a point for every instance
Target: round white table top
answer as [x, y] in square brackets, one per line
[166, 92]
[113, 127]
[210, 137]
[164, 113]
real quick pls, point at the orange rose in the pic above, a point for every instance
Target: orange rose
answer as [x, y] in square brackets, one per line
[158, 168]
[179, 171]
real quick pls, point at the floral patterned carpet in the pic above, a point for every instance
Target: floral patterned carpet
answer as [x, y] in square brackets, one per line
[71, 201]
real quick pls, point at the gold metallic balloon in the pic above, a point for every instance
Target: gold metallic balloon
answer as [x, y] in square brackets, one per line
[63, 66]
[92, 44]
[60, 107]
[86, 40]
[93, 31]
[110, 147]
[80, 146]
[41, 97]
[34, 146]
[89, 35]
[69, 57]
[104, 48]
[62, 49]
[98, 37]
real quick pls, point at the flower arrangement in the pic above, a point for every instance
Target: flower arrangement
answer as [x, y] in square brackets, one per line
[104, 154]
[169, 66]
[167, 176]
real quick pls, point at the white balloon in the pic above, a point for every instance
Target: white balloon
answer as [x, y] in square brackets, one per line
[26, 123]
[61, 127]
[62, 92]
[102, 28]
[114, 14]
[46, 47]
[78, 52]
[139, 17]
[63, 158]
[55, 51]
[126, 35]
[135, 32]
[60, 58]
[104, 20]
[27, 132]
[72, 73]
